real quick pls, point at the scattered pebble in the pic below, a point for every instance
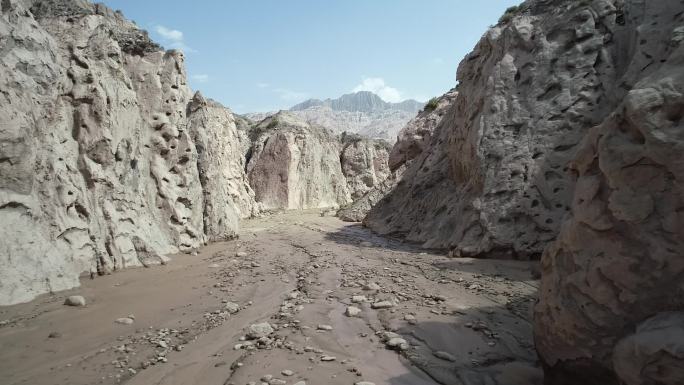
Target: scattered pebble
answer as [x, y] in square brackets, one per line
[359, 299]
[371, 286]
[352, 311]
[445, 356]
[232, 307]
[75, 300]
[259, 330]
[124, 321]
[382, 305]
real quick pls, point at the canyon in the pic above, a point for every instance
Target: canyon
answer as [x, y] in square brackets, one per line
[523, 228]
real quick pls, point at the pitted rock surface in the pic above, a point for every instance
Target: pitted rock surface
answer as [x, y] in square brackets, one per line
[99, 171]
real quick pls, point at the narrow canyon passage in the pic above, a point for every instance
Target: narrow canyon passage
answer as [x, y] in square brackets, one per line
[332, 292]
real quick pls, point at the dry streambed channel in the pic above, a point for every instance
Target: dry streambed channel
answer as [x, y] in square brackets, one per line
[300, 298]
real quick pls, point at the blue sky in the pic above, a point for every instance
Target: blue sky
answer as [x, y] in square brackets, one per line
[262, 55]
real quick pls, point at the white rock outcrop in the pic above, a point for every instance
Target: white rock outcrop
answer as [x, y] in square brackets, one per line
[364, 163]
[98, 170]
[221, 166]
[293, 165]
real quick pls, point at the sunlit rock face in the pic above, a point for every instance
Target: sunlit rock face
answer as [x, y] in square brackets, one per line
[565, 140]
[363, 113]
[98, 170]
[293, 165]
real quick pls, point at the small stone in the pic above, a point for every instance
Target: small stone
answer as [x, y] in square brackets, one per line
[328, 358]
[364, 383]
[55, 335]
[266, 378]
[371, 286]
[255, 264]
[352, 311]
[293, 295]
[359, 299]
[75, 300]
[259, 330]
[397, 343]
[445, 356]
[241, 254]
[214, 266]
[324, 327]
[300, 383]
[124, 321]
[287, 373]
[382, 305]
[232, 307]
[366, 244]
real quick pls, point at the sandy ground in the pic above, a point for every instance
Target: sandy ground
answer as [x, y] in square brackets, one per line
[463, 321]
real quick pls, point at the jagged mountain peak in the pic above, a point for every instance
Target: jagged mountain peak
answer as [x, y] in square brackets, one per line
[360, 101]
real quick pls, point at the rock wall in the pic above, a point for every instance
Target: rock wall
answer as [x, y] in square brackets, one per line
[293, 165]
[411, 141]
[494, 180]
[416, 135]
[566, 139]
[221, 166]
[98, 170]
[612, 281]
[364, 163]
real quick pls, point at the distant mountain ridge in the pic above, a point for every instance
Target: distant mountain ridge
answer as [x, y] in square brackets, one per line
[361, 101]
[362, 112]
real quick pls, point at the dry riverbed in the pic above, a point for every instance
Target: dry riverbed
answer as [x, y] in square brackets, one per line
[299, 299]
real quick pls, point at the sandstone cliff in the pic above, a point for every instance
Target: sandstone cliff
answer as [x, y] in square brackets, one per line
[567, 134]
[293, 165]
[99, 169]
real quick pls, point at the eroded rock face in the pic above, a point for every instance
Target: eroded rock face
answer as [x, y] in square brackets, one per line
[364, 163]
[97, 168]
[618, 259]
[416, 135]
[569, 113]
[494, 180]
[221, 166]
[293, 165]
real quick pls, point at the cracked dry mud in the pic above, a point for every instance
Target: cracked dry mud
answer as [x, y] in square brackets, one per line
[462, 321]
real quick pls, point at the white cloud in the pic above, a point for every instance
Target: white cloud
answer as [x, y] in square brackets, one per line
[290, 95]
[201, 78]
[378, 87]
[169, 34]
[172, 38]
